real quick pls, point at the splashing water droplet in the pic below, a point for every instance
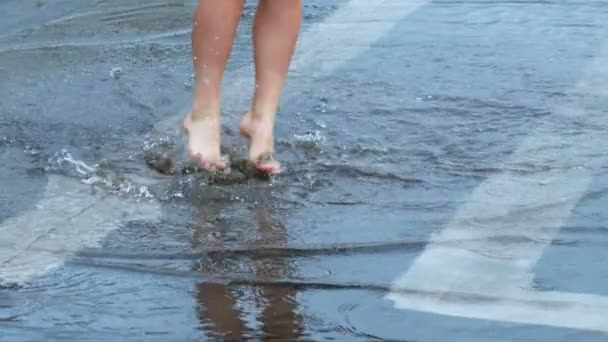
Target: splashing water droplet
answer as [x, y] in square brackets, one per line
[310, 137]
[144, 192]
[322, 106]
[115, 72]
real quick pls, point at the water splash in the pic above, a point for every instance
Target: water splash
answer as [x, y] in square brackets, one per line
[311, 137]
[100, 174]
[64, 162]
[322, 106]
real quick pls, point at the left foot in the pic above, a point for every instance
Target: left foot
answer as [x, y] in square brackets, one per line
[261, 149]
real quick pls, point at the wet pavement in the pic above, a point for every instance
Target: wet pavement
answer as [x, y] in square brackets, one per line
[383, 149]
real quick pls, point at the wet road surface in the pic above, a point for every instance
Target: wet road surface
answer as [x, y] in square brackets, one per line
[384, 143]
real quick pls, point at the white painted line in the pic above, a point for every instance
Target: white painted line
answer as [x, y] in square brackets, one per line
[555, 309]
[113, 10]
[71, 217]
[531, 208]
[87, 42]
[349, 32]
[68, 218]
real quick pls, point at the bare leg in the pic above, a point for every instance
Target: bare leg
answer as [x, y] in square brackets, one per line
[213, 34]
[275, 33]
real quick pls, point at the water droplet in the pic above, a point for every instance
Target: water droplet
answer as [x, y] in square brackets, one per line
[321, 124]
[115, 72]
[195, 58]
[196, 23]
[310, 137]
[144, 192]
[322, 107]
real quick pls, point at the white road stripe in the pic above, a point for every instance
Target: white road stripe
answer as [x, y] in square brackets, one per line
[68, 218]
[563, 310]
[71, 217]
[348, 32]
[532, 206]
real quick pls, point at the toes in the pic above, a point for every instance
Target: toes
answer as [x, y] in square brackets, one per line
[216, 166]
[271, 170]
[198, 159]
[266, 163]
[223, 164]
[210, 165]
[207, 166]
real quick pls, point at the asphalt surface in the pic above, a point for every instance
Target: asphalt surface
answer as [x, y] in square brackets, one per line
[446, 177]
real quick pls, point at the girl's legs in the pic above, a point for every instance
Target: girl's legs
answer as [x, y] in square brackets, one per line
[275, 33]
[213, 34]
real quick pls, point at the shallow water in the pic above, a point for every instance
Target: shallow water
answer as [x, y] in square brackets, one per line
[381, 153]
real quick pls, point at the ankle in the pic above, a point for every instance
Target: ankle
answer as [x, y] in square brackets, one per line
[205, 114]
[261, 111]
[262, 117]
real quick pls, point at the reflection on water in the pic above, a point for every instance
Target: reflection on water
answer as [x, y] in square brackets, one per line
[218, 303]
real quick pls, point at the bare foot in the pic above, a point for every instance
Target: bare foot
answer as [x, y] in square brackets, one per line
[204, 143]
[261, 149]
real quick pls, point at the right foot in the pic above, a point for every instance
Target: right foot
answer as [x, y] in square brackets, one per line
[204, 142]
[261, 149]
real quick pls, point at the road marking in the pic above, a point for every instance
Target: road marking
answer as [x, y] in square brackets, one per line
[531, 207]
[68, 218]
[349, 32]
[88, 42]
[71, 217]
